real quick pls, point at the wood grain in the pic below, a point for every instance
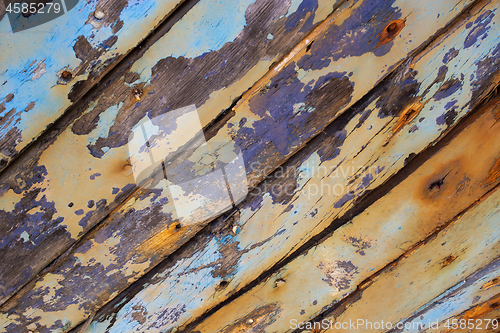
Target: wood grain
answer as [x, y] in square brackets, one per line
[411, 211]
[273, 221]
[50, 201]
[468, 301]
[485, 318]
[33, 91]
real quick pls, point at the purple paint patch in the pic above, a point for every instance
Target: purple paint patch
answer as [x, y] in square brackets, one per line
[481, 28]
[348, 197]
[447, 118]
[448, 89]
[94, 176]
[450, 55]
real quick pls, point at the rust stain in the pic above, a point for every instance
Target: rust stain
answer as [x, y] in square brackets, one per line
[493, 283]
[448, 260]
[390, 31]
[483, 308]
[493, 175]
[407, 116]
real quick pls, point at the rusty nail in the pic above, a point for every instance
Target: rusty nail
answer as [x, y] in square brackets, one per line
[127, 170]
[279, 282]
[392, 27]
[99, 14]
[66, 75]
[137, 93]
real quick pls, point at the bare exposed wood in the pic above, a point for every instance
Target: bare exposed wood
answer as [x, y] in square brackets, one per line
[48, 202]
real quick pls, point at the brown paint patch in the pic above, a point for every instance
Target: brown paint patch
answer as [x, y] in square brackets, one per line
[493, 283]
[493, 174]
[9, 98]
[30, 107]
[390, 31]
[139, 313]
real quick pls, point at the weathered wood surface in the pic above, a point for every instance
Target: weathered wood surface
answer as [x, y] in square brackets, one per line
[398, 291]
[387, 229]
[49, 202]
[270, 226]
[33, 91]
[138, 264]
[468, 299]
[485, 316]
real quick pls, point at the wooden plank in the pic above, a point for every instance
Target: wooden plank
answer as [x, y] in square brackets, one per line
[435, 272]
[74, 194]
[485, 318]
[234, 252]
[333, 269]
[33, 91]
[135, 253]
[470, 299]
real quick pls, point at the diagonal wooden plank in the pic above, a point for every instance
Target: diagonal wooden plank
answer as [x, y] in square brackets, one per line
[135, 253]
[270, 226]
[465, 302]
[328, 272]
[34, 92]
[50, 201]
[484, 317]
[435, 272]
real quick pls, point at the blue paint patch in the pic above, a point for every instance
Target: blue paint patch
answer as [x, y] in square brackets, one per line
[79, 212]
[115, 190]
[449, 105]
[215, 23]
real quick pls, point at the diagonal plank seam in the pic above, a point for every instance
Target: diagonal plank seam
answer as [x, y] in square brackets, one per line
[356, 295]
[52, 132]
[76, 109]
[364, 202]
[236, 101]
